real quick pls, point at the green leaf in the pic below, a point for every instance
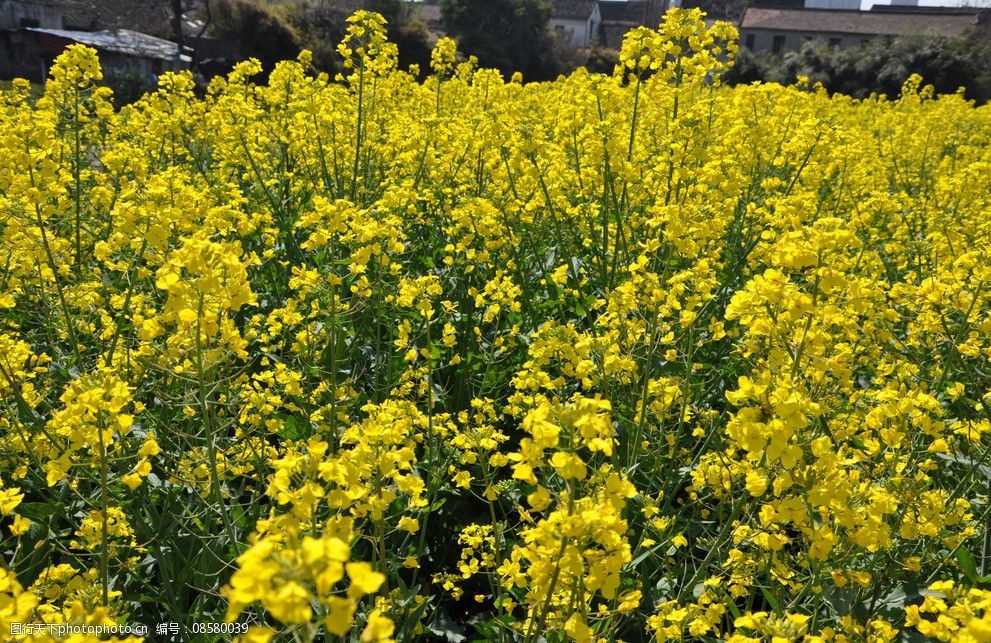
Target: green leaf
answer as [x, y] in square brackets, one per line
[294, 428]
[967, 563]
[773, 602]
[39, 511]
[734, 610]
[639, 559]
[893, 605]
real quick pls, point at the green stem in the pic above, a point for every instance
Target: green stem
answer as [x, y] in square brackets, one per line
[216, 498]
[358, 131]
[104, 536]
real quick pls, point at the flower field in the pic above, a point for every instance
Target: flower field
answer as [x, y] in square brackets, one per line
[631, 357]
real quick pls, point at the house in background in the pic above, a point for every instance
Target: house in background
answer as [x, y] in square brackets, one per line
[428, 13]
[20, 14]
[579, 24]
[776, 30]
[131, 36]
[840, 5]
[32, 51]
[152, 17]
[576, 22]
[619, 16]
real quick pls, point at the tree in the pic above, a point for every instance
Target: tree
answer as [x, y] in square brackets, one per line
[178, 11]
[262, 33]
[510, 35]
[393, 10]
[321, 25]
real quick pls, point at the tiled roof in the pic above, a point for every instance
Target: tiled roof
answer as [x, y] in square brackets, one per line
[46, 3]
[573, 9]
[611, 33]
[613, 9]
[624, 11]
[868, 23]
[121, 41]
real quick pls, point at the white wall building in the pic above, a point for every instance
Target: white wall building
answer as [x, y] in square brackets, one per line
[576, 22]
[848, 5]
[865, 5]
[778, 30]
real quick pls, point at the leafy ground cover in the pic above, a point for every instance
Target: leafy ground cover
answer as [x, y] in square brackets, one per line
[613, 357]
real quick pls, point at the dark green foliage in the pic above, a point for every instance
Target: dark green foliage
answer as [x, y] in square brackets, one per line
[261, 32]
[128, 86]
[414, 44]
[321, 26]
[880, 66]
[393, 10]
[509, 35]
[602, 61]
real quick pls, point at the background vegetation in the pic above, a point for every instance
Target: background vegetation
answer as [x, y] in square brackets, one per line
[273, 32]
[880, 66]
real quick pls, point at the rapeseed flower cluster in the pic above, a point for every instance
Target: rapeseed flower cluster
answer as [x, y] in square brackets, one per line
[617, 357]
